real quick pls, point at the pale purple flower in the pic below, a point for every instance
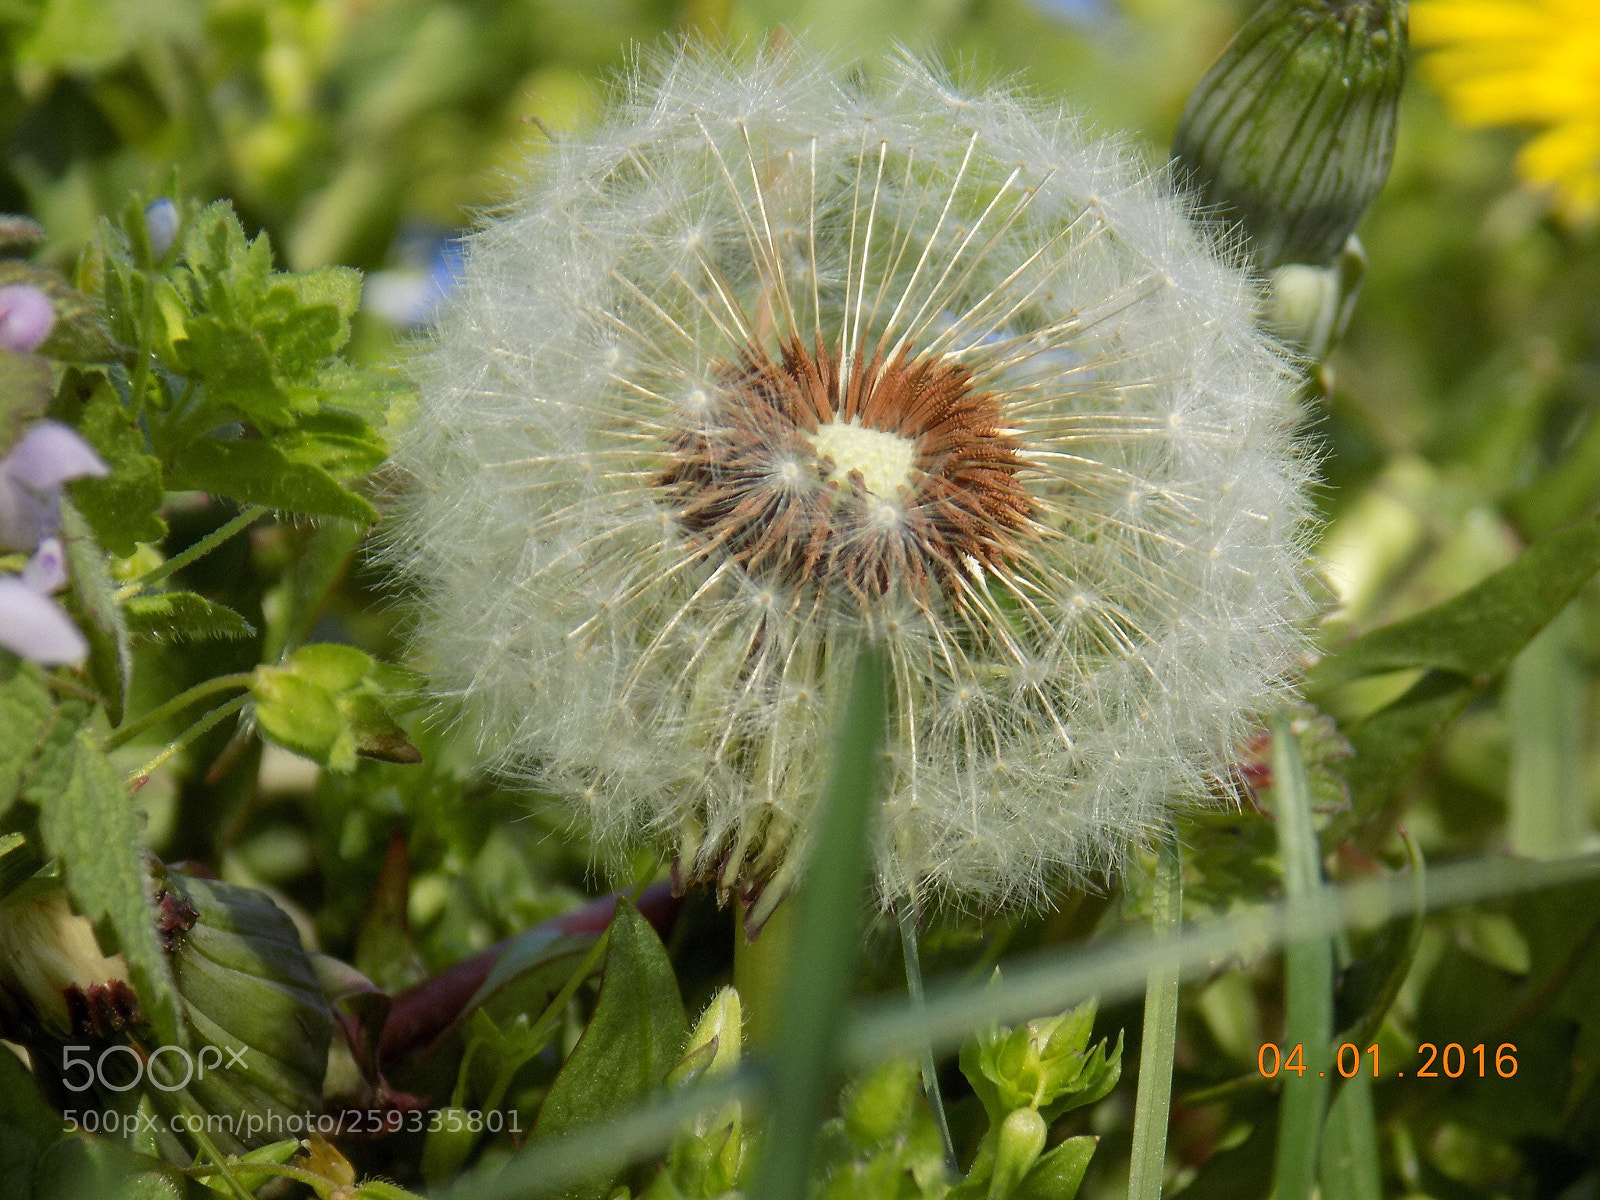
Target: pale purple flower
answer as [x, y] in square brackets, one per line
[32, 625]
[31, 477]
[161, 226]
[26, 318]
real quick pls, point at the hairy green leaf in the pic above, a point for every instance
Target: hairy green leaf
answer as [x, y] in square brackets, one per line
[25, 712]
[123, 508]
[183, 617]
[258, 472]
[87, 819]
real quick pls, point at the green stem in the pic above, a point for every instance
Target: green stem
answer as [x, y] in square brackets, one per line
[198, 730]
[196, 1130]
[760, 966]
[201, 548]
[132, 729]
[1153, 1104]
[906, 914]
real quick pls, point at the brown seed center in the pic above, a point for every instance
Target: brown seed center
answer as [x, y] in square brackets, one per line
[899, 474]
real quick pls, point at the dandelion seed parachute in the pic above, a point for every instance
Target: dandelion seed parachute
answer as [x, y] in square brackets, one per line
[775, 362]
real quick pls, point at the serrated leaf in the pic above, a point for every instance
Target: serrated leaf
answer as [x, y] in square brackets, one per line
[237, 368]
[94, 591]
[123, 508]
[1478, 633]
[635, 1037]
[87, 819]
[257, 472]
[25, 714]
[343, 455]
[183, 617]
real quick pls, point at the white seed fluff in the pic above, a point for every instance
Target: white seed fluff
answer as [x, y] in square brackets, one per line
[645, 579]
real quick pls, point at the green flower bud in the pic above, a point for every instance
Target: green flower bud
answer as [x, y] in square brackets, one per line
[714, 1045]
[1292, 130]
[1045, 1064]
[259, 1024]
[1022, 1136]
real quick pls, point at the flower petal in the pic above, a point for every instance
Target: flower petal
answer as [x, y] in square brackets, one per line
[46, 571]
[36, 628]
[26, 318]
[50, 454]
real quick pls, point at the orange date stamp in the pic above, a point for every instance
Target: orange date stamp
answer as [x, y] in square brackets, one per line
[1450, 1061]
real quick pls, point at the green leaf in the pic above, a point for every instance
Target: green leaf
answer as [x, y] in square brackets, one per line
[635, 1037]
[123, 508]
[87, 819]
[95, 594]
[1059, 1173]
[1389, 745]
[322, 553]
[258, 472]
[183, 617]
[237, 368]
[28, 1126]
[1478, 633]
[25, 713]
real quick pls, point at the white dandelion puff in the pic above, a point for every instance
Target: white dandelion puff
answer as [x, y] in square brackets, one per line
[774, 363]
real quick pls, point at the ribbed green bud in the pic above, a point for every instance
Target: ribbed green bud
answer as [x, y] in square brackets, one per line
[1292, 130]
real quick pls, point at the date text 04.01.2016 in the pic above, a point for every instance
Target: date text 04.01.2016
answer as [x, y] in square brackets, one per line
[1451, 1061]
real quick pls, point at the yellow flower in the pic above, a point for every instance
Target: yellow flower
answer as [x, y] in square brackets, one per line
[1525, 62]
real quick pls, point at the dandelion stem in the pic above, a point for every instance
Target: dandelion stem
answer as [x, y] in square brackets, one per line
[906, 913]
[760, 968]
[1154, 1100]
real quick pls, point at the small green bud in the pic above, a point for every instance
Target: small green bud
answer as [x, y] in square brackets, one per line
[714, 1046]
[1292, 130]
[1022, 1136]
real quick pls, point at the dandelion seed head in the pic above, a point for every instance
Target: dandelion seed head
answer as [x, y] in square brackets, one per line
[775, 363]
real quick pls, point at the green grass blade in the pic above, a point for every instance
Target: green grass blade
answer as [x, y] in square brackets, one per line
[1118, 968]
[1544, 699]
[1349, 1169]
[1309, 971]
[827, 940]
[1153, 1104]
